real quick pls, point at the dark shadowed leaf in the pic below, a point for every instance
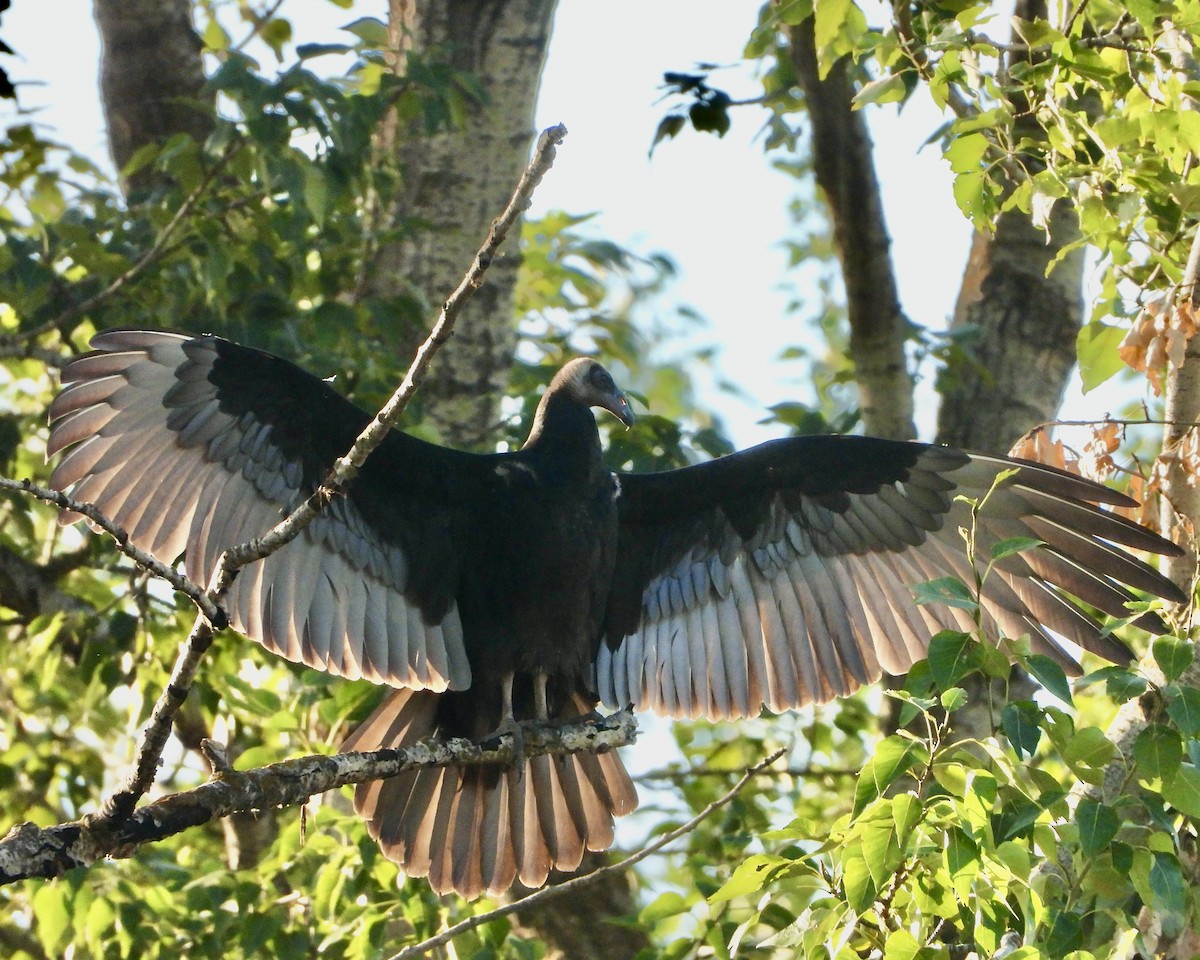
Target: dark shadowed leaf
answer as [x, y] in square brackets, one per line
[1098, 825]
[1183, 791]
[952, 655]
[1050, 675]
[1184, 709]
[1158, 752]
[1020, 723]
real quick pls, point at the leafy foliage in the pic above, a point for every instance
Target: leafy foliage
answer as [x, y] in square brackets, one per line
[902, 843]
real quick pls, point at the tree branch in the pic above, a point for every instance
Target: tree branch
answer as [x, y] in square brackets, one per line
[547, 893]
[31, 851]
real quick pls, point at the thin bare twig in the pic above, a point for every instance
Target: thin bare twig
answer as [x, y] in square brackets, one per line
[547, 893]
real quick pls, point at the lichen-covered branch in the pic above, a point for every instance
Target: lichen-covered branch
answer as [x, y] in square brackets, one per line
[31, 851]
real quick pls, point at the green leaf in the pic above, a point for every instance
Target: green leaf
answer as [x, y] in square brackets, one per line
[837, 26]
[215, 37]
[1066, 934]
[1158, 752]
[669, 127]
[894, 757]
[1183, 790]
[952, 655]
[1019, 721]
[906, 811]
[52, 914]
[1096, 347]
[1173, 656]
[953, 698]
[962, 860]
[1012, 545]
[1088, 747]
[316, 192]
[1169, 894]
[1050, 675]
[372, 32]
[881, 851]
[965, 153]
[669, 904]
[948, 590]
[1184, 709]
[1123, 685]
[750, 876]
[888, 89]
[901, 945]
[856, 878]
[1098, 826]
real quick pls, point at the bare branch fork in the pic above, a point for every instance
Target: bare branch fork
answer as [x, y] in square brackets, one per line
[120, 806]
[31, 851]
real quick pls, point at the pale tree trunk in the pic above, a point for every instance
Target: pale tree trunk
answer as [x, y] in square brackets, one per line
[1026, 323]
[151, 77]
[457, 182]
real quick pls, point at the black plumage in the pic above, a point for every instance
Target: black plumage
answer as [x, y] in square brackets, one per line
[491, 588]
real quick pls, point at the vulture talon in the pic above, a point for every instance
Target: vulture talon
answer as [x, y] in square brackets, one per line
[515, 729]
[776, 576]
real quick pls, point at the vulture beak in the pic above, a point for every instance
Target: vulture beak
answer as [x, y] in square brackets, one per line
[618, 406]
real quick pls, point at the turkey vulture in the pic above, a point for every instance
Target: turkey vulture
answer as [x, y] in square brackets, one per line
[486, 589]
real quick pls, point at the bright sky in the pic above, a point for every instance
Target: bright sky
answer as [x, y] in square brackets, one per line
[714, 206]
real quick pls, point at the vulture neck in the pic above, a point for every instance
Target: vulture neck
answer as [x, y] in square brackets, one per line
[564, 433]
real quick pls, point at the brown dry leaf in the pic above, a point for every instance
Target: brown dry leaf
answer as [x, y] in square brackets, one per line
[1159, 338]
[1189, 457]
[1037, 445]
[1145, 492]
[1097, 461]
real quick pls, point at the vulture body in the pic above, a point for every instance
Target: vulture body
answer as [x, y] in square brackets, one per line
[489, 589]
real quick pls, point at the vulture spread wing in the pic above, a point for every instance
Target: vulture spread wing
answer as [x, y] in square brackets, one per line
[496, 588]
[193, 445]
[782, 575]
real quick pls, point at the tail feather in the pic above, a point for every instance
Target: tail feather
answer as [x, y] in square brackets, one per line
[470, 830]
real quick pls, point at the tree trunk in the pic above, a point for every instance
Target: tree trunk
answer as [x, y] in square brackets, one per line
[151, 77]
[844, 165]
[1026, 323]
[457, 182]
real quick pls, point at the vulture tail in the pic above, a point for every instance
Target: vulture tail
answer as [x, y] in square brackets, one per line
[476, 829]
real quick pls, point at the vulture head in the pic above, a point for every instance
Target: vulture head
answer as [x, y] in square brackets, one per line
[777, 576]
[587, 383]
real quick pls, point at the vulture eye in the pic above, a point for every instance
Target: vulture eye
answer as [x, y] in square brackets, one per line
[602, 380]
